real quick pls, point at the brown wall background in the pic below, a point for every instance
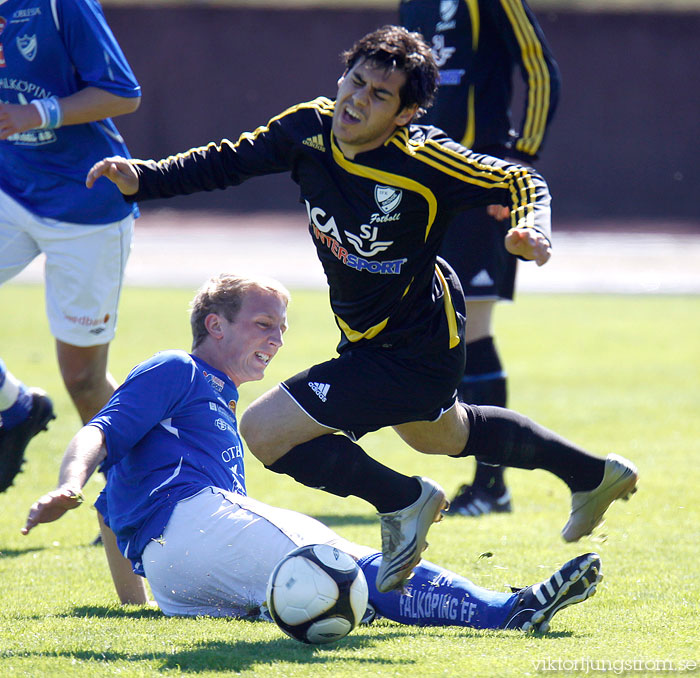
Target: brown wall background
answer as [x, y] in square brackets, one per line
[625, 143]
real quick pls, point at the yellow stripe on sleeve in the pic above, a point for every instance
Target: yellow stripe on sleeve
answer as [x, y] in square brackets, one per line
[538, 77]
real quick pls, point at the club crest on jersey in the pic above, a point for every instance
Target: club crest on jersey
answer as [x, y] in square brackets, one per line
[27, 46]
[387, 198]
[3, 23]
[448, 9]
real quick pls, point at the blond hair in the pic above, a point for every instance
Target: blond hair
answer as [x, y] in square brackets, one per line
[223, 294]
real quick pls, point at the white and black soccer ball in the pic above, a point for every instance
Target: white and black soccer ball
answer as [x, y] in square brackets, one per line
[317, 594]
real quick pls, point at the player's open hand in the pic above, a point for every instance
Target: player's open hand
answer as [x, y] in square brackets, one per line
[529, 244]
[52, 506]
[118, 170]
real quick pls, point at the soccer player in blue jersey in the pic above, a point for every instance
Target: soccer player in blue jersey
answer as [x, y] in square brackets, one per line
[175, 503]
[62, 78]
[380, 192]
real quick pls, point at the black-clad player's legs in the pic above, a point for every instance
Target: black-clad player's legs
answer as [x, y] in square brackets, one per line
[289, 441]
[484, 383]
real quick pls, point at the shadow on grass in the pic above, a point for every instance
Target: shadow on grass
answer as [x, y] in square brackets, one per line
[16, 553]
[348, 520]
[241, 655]
[105, 612]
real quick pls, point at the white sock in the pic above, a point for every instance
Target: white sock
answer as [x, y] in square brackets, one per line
[9, 391]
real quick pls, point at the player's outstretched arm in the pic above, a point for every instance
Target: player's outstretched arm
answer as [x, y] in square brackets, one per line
[529, 244]
[82, 456]
[86, 105]
[118, 170]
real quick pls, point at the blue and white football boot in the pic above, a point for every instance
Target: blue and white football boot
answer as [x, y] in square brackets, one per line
[572, 583]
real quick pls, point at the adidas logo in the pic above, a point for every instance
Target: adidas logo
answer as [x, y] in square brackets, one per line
[315, 142]
[321, 390]
[481, 279]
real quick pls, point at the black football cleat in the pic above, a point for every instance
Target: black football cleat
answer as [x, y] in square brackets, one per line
[14, 441]
[472, 500]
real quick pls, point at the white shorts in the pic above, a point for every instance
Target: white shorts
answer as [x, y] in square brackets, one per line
[218, 550]
[84, 269]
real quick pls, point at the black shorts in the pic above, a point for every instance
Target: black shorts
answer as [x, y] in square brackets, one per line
[369, 386]
[474, 248]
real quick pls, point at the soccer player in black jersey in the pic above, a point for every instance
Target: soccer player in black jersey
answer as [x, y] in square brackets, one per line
[379, 193]
[479, 46]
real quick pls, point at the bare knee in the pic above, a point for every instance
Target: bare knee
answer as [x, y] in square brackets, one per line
[260, 428]
[253, 432]
[84, 373]
[274, 424]
[448, 435]
[80, 379]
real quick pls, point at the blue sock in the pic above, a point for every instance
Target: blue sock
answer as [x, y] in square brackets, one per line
[10, 389]
[437, 597]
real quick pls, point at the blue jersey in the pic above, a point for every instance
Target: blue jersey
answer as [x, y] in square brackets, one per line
[56, 48]
[170, 430]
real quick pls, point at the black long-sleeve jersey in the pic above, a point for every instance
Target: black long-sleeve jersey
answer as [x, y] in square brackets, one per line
[478, 45]
[377, 221]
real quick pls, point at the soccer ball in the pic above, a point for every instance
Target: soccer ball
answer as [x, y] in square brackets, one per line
[317, 594]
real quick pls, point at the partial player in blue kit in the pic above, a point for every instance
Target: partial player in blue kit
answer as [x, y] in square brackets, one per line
[23, 413]
[175, 501]
[63, 77]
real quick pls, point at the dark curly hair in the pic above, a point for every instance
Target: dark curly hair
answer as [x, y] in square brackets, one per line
[393, 47]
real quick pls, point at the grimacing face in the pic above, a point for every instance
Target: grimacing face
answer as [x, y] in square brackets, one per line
[368, 107]
[246, 345]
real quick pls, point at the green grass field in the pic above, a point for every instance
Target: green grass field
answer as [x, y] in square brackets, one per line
[612, 373]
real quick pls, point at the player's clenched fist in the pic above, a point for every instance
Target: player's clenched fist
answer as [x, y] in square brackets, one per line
[529, 244]
[119, 171]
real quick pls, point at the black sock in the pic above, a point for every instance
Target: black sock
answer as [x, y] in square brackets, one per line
[337, 465]
[490, 478]
[484, 383]
[504, 437]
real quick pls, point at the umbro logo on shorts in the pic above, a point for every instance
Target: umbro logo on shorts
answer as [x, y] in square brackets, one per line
[321, 390]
